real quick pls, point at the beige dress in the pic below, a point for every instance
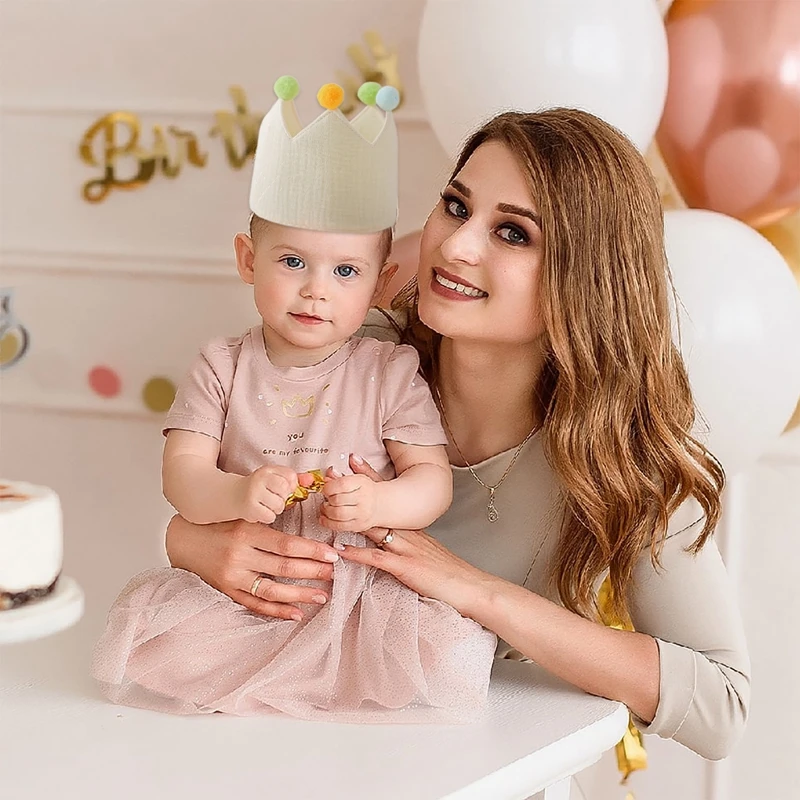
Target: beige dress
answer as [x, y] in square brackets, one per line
[688, 607]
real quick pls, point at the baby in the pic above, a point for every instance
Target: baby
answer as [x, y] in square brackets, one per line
[274, 415]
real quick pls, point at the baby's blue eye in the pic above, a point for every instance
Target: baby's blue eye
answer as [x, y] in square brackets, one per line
[293, 262]
[345, 271]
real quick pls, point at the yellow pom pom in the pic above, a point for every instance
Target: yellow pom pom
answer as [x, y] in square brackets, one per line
[330, 96]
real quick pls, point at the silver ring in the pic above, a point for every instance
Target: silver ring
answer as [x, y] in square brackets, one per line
[254, 587]
[388, 539]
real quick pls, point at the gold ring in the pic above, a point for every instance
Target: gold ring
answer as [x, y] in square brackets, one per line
[388, 539]
[254, 587]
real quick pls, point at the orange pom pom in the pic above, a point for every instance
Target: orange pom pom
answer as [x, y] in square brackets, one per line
[330, 96]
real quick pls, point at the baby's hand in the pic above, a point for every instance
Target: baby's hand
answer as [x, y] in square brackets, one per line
[262, 495]
[350, 502]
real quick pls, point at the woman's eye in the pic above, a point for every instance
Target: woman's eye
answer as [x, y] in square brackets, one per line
[513, 235]
[345, 271]
[293, 262]
[454, 207]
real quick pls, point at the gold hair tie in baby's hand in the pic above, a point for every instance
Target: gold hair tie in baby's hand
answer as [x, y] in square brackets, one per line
[302, 492]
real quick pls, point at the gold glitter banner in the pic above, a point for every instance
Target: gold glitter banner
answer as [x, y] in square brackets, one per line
[114, 144]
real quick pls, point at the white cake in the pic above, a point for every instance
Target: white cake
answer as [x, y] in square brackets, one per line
[31, 542]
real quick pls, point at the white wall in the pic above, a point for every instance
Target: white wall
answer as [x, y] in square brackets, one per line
[140, 280]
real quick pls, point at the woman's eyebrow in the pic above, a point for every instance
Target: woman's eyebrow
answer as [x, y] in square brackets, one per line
[507, 208]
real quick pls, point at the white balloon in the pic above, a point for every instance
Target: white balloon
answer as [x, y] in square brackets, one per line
[480, 57]
[739, 312]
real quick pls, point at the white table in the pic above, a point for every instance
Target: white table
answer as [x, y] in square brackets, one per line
[62, 739]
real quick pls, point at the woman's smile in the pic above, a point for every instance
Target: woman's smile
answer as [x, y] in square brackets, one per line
[449, 285]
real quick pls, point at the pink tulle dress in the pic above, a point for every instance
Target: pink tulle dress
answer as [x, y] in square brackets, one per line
[376, 652]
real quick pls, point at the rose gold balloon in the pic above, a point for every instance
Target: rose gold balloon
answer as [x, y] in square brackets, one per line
[785, 235]
[730, 133]
[405, 251]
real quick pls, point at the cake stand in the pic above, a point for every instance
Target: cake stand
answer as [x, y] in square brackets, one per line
[60, 609]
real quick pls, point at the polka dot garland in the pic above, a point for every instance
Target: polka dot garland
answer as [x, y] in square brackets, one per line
[10, 347]
[158, 394]
[104, 381]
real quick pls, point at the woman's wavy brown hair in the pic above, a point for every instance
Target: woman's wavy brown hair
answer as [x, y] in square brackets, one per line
[614, 397]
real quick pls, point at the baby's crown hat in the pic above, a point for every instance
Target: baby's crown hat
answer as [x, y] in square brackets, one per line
[333, 175]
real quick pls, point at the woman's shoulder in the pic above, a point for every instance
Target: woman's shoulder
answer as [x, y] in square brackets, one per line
[383, 325]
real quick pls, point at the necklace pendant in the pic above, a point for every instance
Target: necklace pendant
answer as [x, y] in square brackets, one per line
[491, 510]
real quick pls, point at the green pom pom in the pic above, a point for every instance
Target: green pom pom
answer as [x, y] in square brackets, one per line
[367, 92]
[286, 87]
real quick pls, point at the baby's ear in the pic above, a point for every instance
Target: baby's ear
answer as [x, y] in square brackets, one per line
[388, 272]
[245, 256]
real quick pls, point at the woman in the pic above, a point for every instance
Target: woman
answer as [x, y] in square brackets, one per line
[541, 316]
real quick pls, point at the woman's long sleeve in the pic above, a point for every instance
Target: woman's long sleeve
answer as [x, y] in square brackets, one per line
[689, 607]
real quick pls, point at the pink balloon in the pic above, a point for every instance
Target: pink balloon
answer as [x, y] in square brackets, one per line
[696, 59]
[730, 132]
[734, 191]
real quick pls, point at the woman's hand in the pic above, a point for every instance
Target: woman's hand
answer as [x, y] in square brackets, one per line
[421, 562]
[230, 556]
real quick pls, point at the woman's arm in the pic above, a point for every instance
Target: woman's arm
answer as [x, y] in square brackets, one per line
[685, 675]
[620, 665]
[691, 610]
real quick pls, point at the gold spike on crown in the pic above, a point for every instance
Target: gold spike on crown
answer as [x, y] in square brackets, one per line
[334, 174]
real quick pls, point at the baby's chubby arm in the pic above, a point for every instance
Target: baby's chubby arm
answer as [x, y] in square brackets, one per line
[201, 493]
[420, 494]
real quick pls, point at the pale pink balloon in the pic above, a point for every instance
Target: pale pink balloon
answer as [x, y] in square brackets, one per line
[734, 191]
[405, 251]
[730, 132]
[696, 59]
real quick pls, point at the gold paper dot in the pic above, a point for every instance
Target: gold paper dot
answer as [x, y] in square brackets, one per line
[9, 347]
[158, 394]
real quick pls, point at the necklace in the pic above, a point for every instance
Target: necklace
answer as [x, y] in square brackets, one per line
[491, 509]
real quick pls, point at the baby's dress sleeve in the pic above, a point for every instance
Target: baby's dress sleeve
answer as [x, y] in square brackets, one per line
[201, 402]
[408, 413]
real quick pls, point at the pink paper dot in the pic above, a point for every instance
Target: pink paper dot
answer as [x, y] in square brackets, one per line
[105, 381]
